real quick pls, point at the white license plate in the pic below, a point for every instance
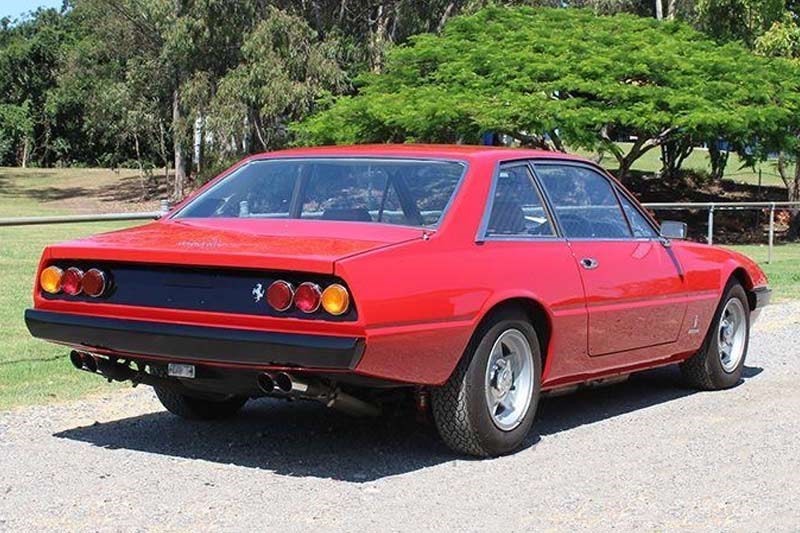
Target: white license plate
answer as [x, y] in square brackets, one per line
[176, 370]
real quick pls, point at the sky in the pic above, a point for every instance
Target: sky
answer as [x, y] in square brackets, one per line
[15, 8]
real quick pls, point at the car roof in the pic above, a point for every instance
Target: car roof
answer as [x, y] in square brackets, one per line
[436, 151]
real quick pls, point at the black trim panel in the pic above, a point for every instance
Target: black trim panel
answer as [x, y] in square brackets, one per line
[197, 343]
[763, 295]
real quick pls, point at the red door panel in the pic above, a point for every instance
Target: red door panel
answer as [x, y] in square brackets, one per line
[635, 294]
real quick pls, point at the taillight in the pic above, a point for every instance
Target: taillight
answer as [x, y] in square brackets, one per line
[307, 297]
[50, 279]
[335, 299]
[94, 283]
[280, 295]
[72, 281]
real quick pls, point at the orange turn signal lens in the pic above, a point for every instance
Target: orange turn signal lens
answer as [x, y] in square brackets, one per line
[335, 299]
[50, 279]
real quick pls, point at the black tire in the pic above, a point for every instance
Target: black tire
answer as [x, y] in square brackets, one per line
[459, 407]
[704, 370]
[194, 408]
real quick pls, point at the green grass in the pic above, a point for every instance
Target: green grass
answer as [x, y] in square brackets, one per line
[34, 371]
[698, 160]
[784, 270]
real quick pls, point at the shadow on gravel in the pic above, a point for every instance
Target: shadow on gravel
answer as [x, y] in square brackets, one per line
[307, 439]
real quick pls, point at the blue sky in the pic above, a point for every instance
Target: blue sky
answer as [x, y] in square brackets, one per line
[15, 8]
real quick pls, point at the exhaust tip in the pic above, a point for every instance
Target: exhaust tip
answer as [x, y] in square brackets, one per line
[265, 383]
[76, 358]
[89, 362]
[284, 382]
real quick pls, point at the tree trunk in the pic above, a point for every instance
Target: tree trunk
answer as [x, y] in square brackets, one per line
[793, 194]
[719, 160]
[673, 154]
[659, 10]
[25, 150]
[141, 167]
[180, 159]
[378, 34]
[671, 9]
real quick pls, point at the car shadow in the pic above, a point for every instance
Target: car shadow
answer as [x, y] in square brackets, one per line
[306, 439]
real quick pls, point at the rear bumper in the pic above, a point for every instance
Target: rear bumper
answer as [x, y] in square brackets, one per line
[196, 343]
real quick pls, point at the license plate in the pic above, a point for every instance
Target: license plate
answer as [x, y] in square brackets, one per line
[176, 370]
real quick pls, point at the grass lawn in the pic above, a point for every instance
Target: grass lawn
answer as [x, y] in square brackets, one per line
[60, 191]
[698, 160]
[34, 371]
[784, 270]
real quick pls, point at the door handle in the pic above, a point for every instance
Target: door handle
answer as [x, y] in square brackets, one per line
[589, 263]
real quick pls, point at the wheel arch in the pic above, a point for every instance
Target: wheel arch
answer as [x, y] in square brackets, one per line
[535, 311]
[741, 275]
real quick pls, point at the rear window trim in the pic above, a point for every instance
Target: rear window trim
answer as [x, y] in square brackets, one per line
[216, 182]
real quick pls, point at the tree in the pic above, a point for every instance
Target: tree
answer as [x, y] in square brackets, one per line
[742, 20]
[547, 77]
[285, 68]
[33, 126]
[783, 40]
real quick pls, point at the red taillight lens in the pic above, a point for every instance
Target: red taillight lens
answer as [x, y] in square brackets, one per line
[280, 295]
[307, 297]
[94, 283]
[72, 282]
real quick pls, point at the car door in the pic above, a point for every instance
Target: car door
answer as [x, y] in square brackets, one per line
[633, 283]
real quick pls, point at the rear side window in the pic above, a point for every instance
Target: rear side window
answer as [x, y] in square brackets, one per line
[639, 224]
[584, 202]
[517, 208]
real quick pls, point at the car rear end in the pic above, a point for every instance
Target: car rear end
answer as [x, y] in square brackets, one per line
[238, 295]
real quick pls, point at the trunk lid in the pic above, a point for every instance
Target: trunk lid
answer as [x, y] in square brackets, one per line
[294, 245]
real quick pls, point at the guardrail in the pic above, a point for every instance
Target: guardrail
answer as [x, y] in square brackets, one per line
[727, 206]
[69, 219]
[655, 206]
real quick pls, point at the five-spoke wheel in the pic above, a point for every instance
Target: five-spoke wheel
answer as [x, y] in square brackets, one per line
[488, 404]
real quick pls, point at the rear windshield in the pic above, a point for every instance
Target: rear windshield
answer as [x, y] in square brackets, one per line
[391, 191]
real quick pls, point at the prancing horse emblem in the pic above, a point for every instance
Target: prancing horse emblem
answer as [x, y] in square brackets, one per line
[695, 329]
[258, 292]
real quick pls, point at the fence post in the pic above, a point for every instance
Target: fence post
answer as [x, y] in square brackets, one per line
[710, 238]
[771, 231]
[164, 207]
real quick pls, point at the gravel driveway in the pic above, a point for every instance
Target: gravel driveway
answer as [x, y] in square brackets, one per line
[644, 455]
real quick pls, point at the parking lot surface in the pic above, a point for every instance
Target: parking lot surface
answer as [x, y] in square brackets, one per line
[648, 454]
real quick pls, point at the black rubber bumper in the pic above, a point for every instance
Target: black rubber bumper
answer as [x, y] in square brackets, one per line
[763, 294]
[196, 343]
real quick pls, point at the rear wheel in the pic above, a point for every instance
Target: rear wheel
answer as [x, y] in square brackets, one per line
[719, 362]
[487, 406]
[195, 408]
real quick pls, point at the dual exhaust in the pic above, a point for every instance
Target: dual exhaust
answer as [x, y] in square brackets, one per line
[281, 383]
[331, 396]
[83, 361]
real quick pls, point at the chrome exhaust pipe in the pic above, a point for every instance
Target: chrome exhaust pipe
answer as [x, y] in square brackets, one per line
[332, 397]
[265, 383]
[76, 358]
[83, 361]
[90, 363]
[289, 384]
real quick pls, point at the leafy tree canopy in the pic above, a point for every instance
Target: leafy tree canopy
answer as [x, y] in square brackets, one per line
[549, 76]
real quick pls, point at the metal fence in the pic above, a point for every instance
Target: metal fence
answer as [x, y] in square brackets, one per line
[711, 207]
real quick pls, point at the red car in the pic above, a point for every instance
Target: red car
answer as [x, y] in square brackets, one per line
[472, 278]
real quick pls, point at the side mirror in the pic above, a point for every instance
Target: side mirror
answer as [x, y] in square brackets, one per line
[671, 229]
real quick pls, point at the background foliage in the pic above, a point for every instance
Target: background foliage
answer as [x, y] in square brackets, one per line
[179, 88]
